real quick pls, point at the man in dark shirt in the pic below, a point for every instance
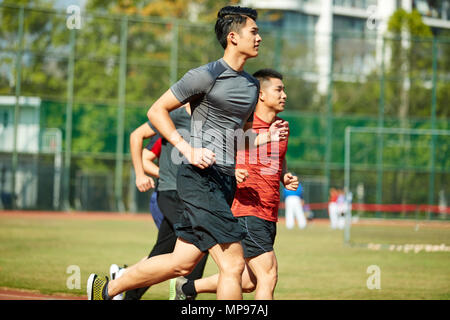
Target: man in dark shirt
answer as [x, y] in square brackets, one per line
[167, 196]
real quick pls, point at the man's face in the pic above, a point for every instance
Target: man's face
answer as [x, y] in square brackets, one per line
[273, 94]
[248, 38]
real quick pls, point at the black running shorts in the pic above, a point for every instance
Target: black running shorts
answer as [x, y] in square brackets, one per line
[207, 195]
[260, 235]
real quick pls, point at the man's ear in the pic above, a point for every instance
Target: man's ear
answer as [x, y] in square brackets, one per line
[232, 37]
[262, 96]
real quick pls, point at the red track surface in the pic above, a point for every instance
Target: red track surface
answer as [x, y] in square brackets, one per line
[15, 294]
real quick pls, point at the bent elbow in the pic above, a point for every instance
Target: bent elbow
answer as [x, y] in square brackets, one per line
[133, 137]
[151, 114]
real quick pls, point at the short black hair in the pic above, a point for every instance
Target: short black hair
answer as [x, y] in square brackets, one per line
[232, 18]
[266, 74]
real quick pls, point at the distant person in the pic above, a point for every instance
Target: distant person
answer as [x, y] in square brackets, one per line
[293, 204]
[333, 208]
[341, 208]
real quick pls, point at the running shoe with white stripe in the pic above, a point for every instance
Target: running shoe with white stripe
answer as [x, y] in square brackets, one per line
[116, 272]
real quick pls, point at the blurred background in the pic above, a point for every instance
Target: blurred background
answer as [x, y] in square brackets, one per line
[77, 77]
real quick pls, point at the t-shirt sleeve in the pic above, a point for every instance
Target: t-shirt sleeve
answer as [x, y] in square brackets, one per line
[194, 83]
[250, 118]
[154, 129]
[156, 149]
[153, 139]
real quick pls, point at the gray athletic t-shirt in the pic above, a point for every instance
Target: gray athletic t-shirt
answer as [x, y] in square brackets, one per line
[222, 101]
[170, 158]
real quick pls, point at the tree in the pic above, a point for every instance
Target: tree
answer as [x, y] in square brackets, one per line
[411, 50]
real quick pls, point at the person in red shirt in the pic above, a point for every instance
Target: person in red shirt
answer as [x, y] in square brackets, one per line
[333, 208]
[258, 174]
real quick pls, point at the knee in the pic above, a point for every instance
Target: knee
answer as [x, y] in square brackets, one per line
[235, 268]
[183, 269]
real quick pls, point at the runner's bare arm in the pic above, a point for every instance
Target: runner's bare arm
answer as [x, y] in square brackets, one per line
[149, 166]
[143, 182]
[278, 131]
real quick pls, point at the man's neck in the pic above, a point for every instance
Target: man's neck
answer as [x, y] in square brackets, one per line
[265, 114]
[235, 60]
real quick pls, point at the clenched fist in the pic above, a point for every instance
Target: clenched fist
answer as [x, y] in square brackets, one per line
[202, 157]
[279, 130]
[290, 181]
[144, 183]
[241, 175]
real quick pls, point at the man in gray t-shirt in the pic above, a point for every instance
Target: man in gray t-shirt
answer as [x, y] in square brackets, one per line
[222, 97]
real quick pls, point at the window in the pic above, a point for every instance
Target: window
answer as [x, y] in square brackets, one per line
[4, 118]
[359, 4]
[433, 9]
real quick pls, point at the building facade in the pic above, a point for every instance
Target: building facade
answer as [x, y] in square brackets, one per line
[365, 18]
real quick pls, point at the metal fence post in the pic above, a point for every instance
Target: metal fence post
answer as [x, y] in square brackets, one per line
[379, 192]
[15, 156]
[329, 120]
[174, 53]
[120, 116]
[347, 229]
[69, 119]
[433, 126]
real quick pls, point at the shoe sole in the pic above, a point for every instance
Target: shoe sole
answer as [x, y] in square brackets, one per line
[90, 283]
[172, 289]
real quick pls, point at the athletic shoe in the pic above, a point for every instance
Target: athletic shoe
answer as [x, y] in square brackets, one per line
[96, 287]
[176, 289]
[116, 272]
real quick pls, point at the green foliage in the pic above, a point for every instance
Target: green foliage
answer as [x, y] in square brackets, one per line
[410, 65]
[357, 98]
[198, 10]
[412, 22]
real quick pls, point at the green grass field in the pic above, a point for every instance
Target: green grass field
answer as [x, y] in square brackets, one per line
[35, 253]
